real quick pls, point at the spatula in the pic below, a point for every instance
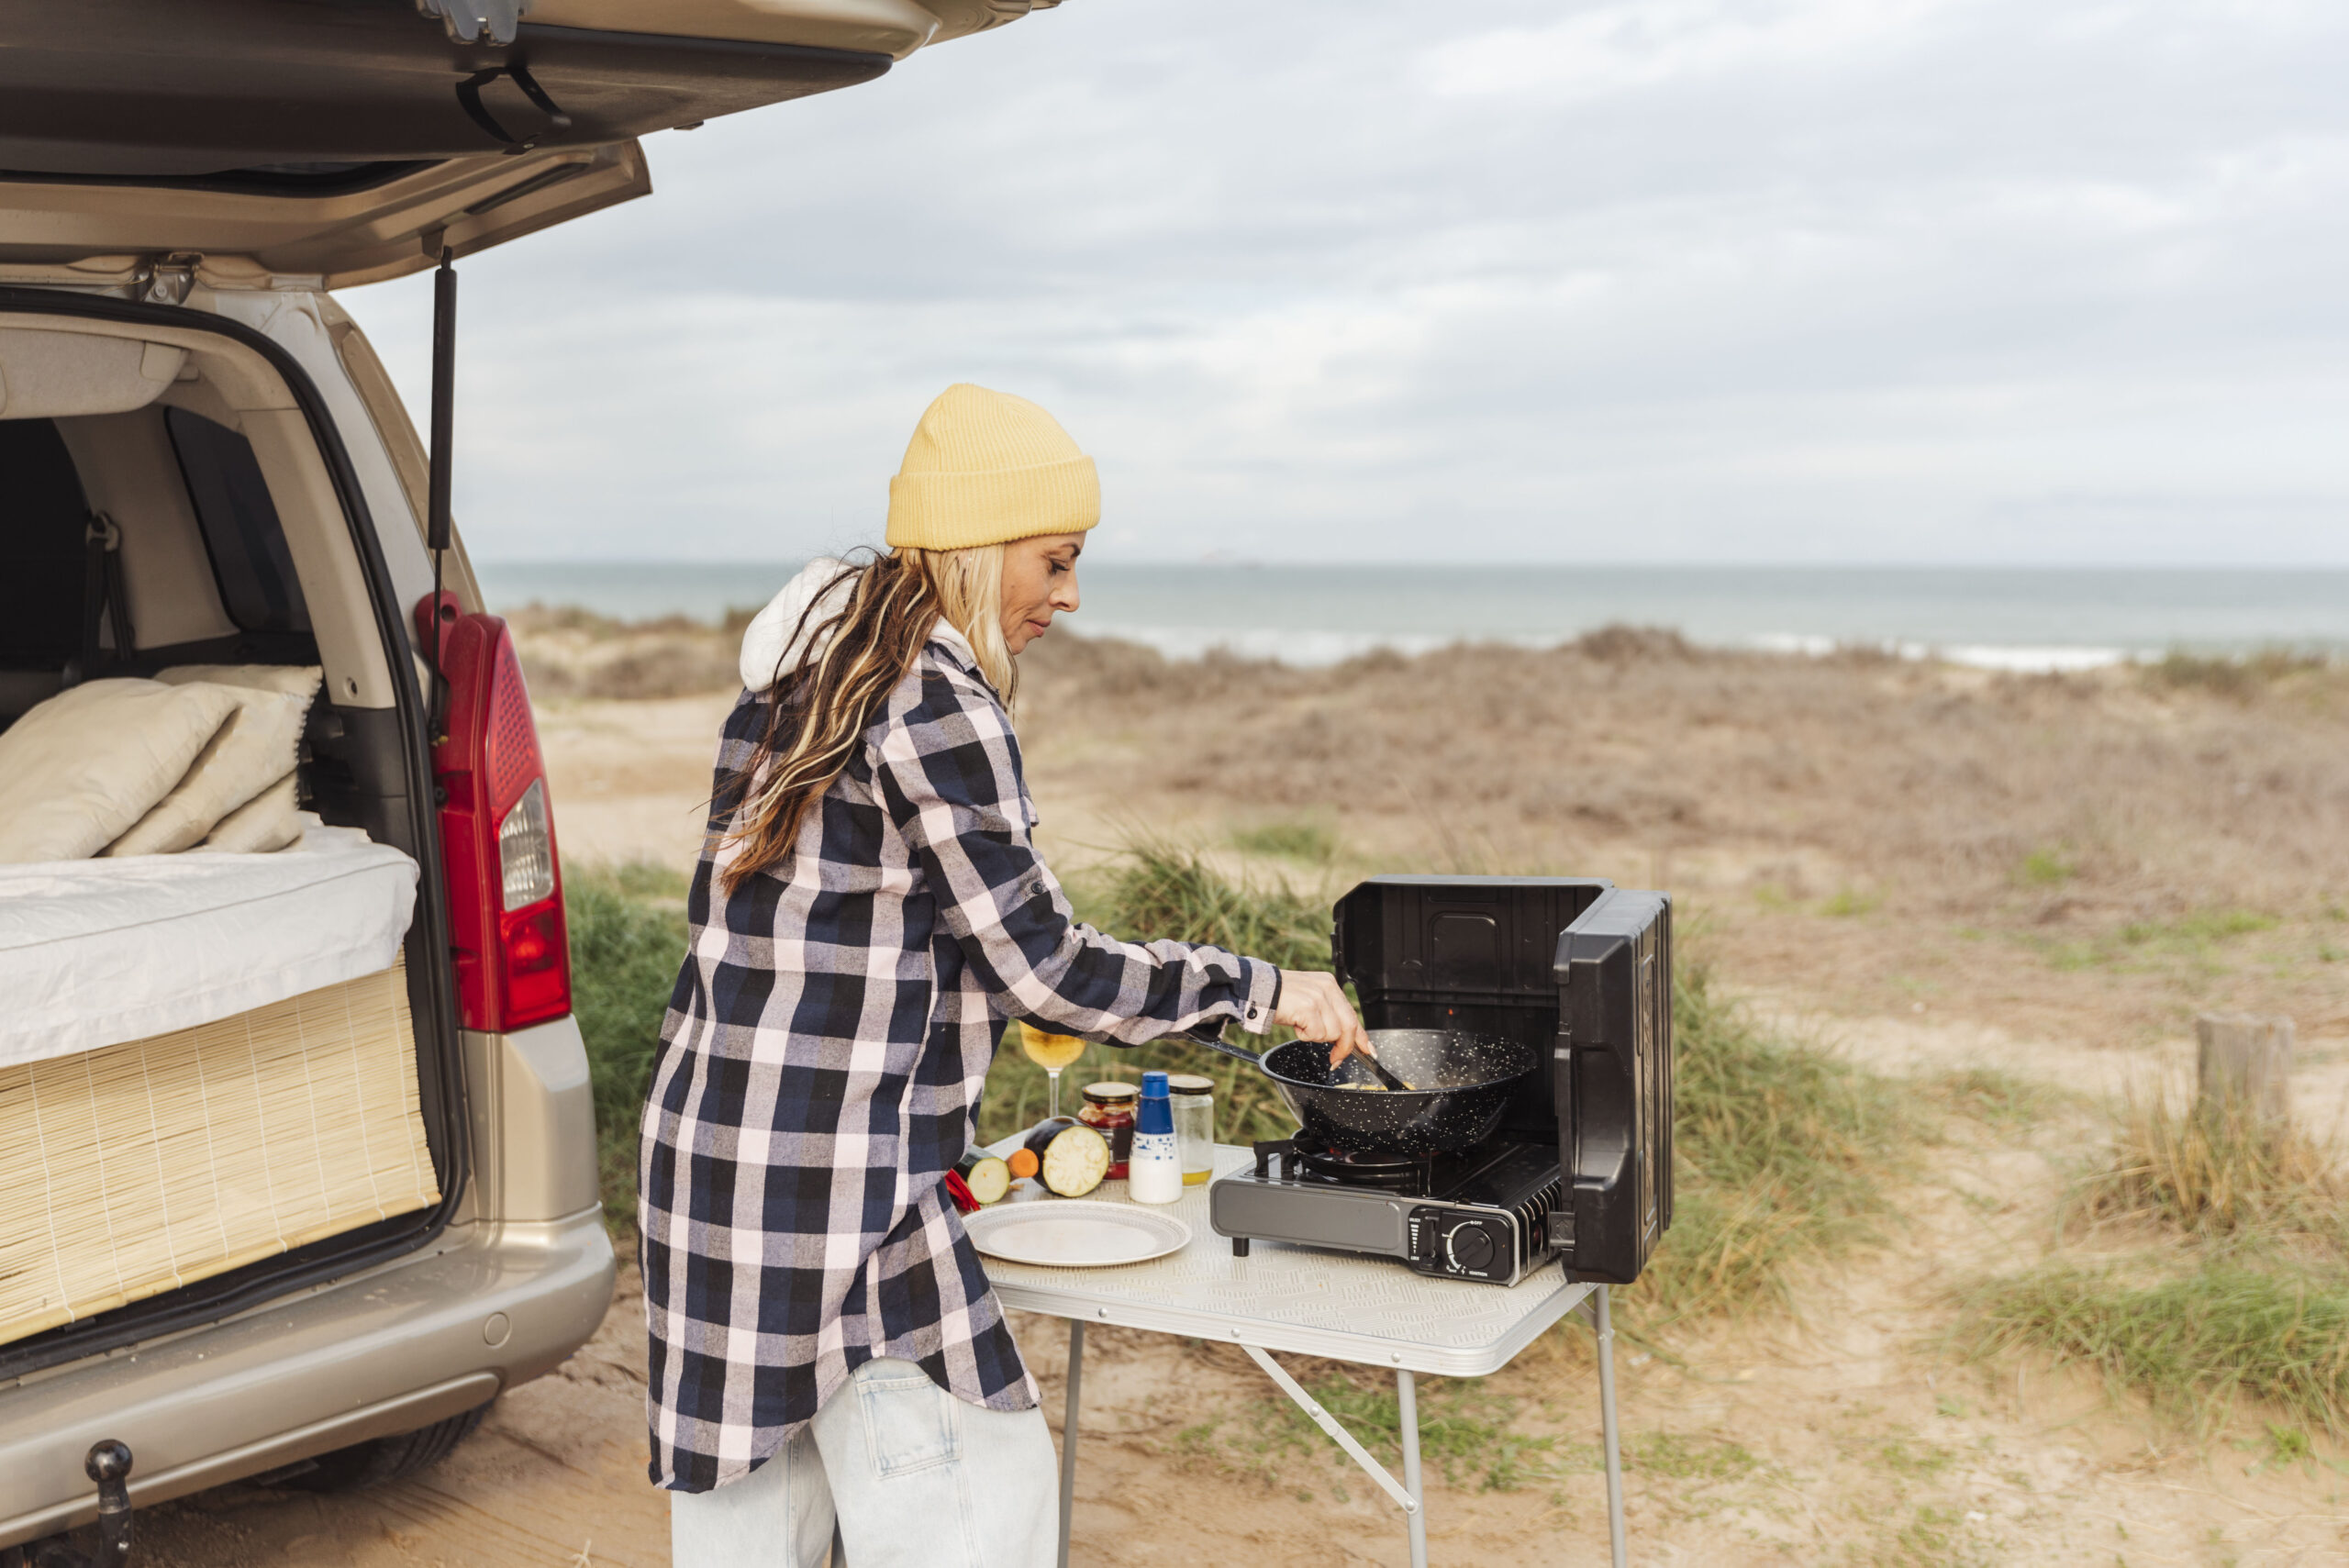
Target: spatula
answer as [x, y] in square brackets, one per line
[1376, 1069]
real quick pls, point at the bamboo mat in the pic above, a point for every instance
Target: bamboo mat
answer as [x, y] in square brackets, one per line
[148, 1165]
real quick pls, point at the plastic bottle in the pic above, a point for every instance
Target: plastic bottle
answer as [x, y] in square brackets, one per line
[1154, 1171]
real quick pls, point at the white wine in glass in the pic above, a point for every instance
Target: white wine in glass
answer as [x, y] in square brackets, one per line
[1051, 1052]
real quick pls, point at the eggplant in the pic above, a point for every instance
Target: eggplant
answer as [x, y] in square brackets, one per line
[1071, 1158]
[987, 1178]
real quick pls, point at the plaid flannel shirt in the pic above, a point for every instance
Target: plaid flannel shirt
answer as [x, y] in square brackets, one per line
[820, 1071]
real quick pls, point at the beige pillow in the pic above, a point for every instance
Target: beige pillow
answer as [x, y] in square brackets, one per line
[252, 751]
[270, 820]
[82, 767]
[302, 678]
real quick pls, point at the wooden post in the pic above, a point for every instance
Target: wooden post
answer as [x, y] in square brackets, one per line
[2245, 1059]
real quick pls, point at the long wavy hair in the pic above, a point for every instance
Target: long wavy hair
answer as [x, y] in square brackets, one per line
[860, 643]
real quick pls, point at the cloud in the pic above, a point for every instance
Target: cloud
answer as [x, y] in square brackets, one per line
[1974, 279]
[1637, 44]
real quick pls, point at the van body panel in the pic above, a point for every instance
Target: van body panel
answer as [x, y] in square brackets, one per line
[307, 1374]
[315, 331]
[468, 204]
[540, 1115]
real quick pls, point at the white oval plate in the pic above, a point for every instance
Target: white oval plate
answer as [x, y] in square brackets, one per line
[1071, 1233]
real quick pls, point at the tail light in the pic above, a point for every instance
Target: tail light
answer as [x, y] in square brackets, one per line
[497, 832]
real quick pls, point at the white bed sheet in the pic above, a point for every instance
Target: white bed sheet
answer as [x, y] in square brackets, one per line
[95, 953]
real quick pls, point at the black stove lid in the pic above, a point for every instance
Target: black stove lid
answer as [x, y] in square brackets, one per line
[1460, 939]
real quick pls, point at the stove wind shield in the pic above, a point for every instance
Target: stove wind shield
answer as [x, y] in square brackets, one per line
[1578, 970]
[1611, 1081]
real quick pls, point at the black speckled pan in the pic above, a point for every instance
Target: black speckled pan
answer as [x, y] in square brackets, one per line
[1459, 1082]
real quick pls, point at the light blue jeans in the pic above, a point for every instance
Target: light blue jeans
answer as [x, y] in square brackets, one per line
[915, 1478]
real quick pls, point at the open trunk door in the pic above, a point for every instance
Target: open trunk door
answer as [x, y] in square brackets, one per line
[352, 138]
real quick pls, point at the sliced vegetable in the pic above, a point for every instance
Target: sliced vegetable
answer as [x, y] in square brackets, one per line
[1071, 1158]
[1032, 1142]
[987, 1178]
[1022, 1163]
[1074, 1161]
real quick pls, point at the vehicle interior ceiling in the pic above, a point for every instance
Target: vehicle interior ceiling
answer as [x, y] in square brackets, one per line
[234, 549]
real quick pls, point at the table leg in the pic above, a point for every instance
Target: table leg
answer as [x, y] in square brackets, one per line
[1068, 1433]
[1608, 1432]
[1337, 1433]
[1406, 1402]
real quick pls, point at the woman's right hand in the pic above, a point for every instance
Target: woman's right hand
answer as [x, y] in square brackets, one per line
[1314, 1006]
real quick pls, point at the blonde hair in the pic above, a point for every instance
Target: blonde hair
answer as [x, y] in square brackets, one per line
[968, 585]
[887, 606]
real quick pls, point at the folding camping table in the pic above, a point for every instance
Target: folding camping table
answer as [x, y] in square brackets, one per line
[1308, 1301]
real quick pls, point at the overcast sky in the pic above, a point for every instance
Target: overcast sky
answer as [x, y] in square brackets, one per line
[1983, 280]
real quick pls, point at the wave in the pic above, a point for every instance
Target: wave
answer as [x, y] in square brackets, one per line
[1304, 649]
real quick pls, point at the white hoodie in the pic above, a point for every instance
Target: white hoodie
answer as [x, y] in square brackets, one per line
[765, 648]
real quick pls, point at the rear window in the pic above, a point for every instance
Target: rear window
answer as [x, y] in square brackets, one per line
[241, 535]
[42, 516]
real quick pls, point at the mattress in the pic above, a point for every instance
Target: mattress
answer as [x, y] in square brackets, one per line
[96, 952]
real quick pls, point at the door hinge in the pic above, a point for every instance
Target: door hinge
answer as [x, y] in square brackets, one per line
[167, 279]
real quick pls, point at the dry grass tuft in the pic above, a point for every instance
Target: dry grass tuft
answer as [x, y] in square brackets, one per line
[2215, 1171]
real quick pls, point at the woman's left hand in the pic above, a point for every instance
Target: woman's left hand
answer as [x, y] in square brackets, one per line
[1314, 1006]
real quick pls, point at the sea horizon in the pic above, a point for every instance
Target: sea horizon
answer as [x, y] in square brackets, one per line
[2011, 617]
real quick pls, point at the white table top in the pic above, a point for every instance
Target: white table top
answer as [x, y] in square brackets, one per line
[1282, 1297]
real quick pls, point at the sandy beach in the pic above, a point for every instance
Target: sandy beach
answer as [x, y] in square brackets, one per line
[1921, 868]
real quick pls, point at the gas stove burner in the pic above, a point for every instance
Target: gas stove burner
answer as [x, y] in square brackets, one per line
[1298, 1160]
[1408, 1174]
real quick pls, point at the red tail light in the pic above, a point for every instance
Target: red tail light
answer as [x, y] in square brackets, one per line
[496, 831]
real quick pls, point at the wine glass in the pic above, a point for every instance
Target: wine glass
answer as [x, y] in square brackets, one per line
[1051, 1052]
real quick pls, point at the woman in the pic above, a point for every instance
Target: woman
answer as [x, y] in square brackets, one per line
[868, 911]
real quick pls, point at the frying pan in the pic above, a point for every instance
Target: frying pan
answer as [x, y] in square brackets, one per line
[1461, 1086]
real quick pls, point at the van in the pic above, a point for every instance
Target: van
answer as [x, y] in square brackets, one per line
[278, 1219]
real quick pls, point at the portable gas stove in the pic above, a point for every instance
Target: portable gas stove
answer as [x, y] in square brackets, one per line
[1578, 1167]
[1490, 1213]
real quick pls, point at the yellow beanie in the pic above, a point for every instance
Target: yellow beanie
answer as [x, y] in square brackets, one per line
[985, 467]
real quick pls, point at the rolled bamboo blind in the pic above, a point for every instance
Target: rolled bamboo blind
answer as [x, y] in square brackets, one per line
[144, 1166]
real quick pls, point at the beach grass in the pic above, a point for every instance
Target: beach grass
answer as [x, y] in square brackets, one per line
[2187, 1343]
[628, 936]
[1782, 1154]
[2245, 1292]
[1301, 839]
[2005, 1101]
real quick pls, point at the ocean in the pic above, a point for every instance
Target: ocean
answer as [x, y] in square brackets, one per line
[2011, 618]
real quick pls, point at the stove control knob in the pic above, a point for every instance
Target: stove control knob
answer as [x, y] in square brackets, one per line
[1469, 1246]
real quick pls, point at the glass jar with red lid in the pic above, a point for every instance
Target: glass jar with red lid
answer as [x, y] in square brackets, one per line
[1110, 1110]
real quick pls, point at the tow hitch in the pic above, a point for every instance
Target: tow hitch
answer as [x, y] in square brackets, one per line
[108, 1465]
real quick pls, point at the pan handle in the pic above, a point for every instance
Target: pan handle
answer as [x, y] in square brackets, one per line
[1211, 1036]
